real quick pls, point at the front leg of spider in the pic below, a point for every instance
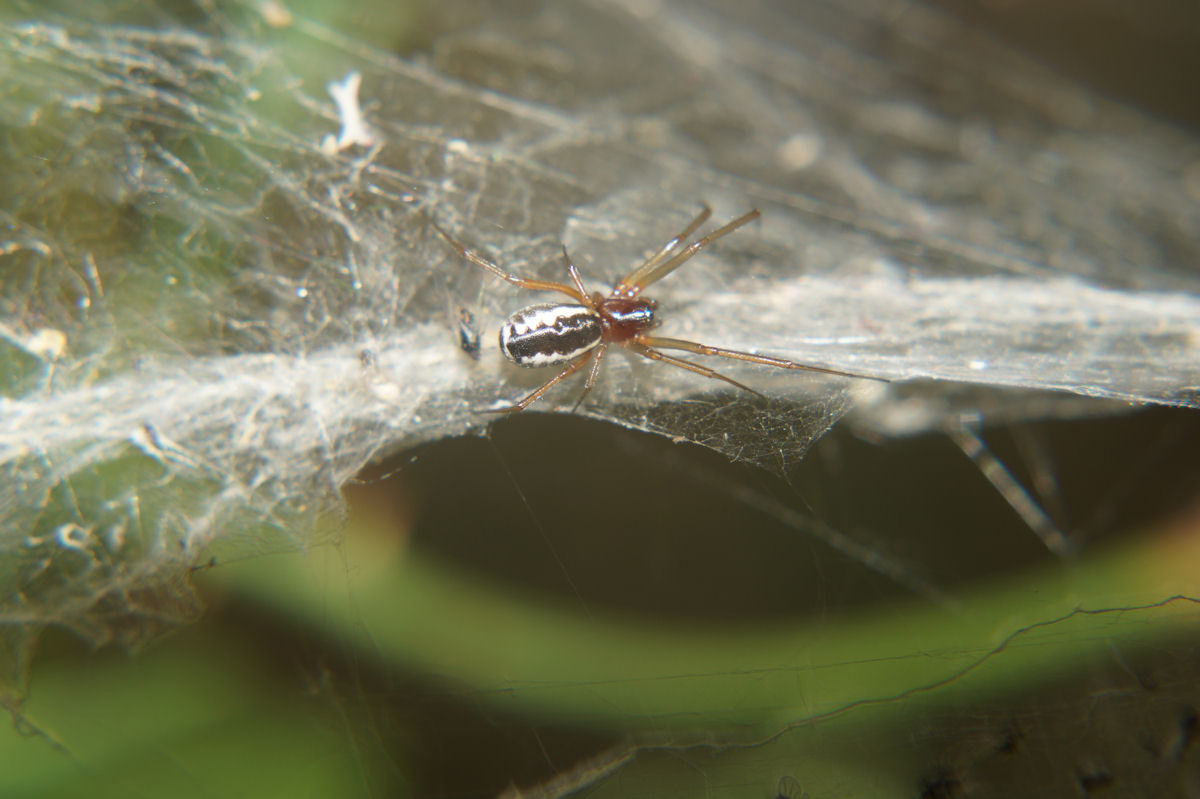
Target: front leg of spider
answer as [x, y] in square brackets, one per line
[574, 334]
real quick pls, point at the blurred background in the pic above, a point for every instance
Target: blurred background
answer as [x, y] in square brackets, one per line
[555, 605]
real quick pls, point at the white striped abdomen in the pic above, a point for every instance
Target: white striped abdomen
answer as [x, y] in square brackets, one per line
[551, 333]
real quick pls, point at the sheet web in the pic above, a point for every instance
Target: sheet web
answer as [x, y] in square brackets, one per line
[219, 298]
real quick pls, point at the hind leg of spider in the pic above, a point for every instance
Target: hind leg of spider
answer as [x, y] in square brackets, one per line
[643, 277]
[533, 285]
[766, 360]
[638, 346]
[573, 367]
[634, 277]
[591, 378]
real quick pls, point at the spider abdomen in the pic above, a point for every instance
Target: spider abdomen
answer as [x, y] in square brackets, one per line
[550, 333]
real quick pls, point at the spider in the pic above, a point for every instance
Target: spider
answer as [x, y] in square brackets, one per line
[580, 332]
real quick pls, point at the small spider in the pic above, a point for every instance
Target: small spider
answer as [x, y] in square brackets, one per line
[579, 332]
[468, 336]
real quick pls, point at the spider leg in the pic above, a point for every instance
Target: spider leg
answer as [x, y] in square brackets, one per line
[533, 285]
[643, 277]
[639, 345]
[575, 278]
[635, 277]
[767, 360]
[573, 367]
[591, 378]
